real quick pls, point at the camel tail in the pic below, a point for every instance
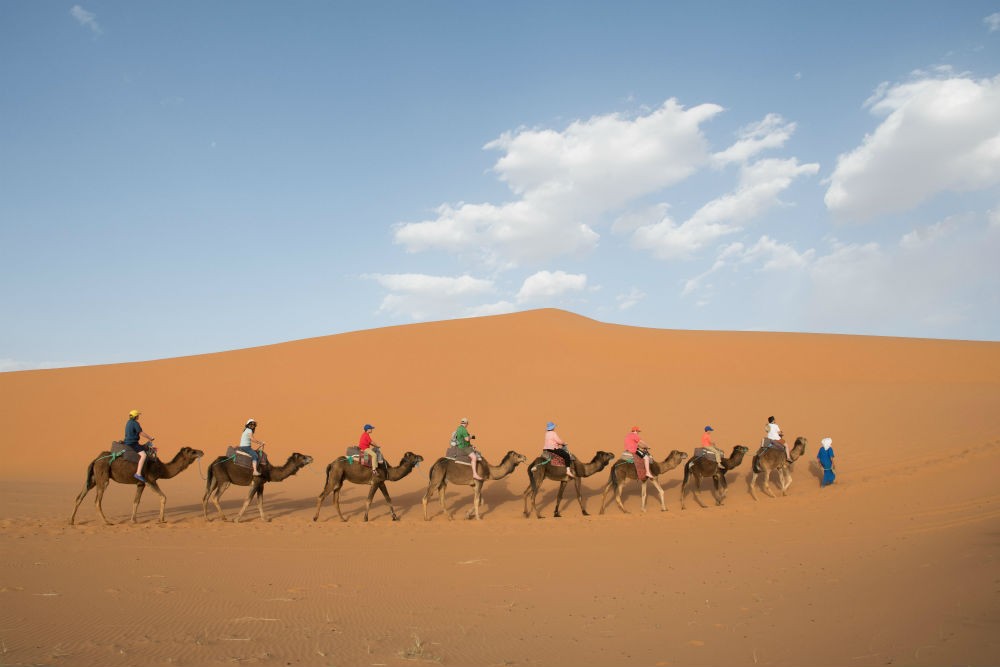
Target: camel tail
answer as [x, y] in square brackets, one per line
[614, 477]
[756, 464]
[90, 476]
[531, 480]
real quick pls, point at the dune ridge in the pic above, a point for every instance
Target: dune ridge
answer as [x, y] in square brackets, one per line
[896, 563]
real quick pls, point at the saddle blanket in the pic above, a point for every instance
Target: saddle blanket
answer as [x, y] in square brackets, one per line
[553, 459]
[461, 454]
[119, 450]
[354, 455]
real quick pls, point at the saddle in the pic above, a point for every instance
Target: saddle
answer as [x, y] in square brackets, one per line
[242, 459]
[553, 459]
[354, 455]
[459, 455]
[120, 451]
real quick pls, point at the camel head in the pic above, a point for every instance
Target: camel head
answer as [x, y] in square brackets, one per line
[604, 458]
[190, 454]
[301, 460]
[411, 458]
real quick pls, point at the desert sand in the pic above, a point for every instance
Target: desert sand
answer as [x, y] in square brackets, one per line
[896, 563]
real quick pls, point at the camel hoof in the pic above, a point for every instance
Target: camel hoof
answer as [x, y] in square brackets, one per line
[586, 513]
[395, 518]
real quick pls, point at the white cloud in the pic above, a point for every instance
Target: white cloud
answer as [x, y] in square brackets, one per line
[772, 132]
[548, 285]
[419, 296]
[85, 18]
[932, 280]
[760, 184]
[630, 298]
[565, 182]
[993, 22]
[938, 135]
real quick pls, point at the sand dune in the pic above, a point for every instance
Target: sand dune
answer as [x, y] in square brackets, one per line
[895, 564]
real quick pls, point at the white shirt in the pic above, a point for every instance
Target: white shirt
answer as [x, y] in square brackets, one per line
[245, 440]
[773, 432]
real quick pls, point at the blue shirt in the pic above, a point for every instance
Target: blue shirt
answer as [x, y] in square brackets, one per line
[132, 431]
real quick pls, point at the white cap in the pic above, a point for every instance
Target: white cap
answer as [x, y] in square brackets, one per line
[250, 421]
[827, 442]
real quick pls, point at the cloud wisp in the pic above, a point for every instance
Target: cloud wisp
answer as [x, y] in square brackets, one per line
[86, 19]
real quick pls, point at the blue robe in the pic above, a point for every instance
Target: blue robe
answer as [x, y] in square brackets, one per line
[825, 457]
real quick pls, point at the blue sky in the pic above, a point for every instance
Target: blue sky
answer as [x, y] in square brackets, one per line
[187, 177]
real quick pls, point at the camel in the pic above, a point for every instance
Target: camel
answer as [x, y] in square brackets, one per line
[340, 470]
[446, 470]
[103, 470]
[624, 470]
[224, 472]
[540, 470]
[705, 466]
[771, 458]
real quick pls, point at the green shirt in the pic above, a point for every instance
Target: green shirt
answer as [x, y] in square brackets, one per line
[462, 437]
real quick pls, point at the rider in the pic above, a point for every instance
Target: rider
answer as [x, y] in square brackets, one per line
[776, 438]
[555, 446]
[371, 450]
[709, 445]
[636, 446]
[461, 439]
[247, 442]
[133, 431]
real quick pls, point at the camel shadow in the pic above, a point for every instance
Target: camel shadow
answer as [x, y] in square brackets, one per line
[353, 504]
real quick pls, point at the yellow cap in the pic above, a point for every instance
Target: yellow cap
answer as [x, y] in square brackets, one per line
[134, 414]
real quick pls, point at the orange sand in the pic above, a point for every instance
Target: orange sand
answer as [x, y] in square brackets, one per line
[895, 564]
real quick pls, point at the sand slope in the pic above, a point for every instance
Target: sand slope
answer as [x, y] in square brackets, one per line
[896, 564]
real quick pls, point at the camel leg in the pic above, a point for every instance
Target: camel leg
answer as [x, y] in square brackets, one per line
[99, 500]
[753, 483]
[385, 494]
[721, 488]
[786, 480]
[368, 502]
[524, 496]
[246, 503]
[337, 489]
[163, 500]
[260, 503]
[444, 508]
[217, 496]
[476, 497]
[604, 496]
[135, 501]
[696, 488]
[424, 500]
[327, 488]
[559, 495]
[578, 485]
[87, 486]
[642, 495]
[766, 485]
[534, 497]
[659, 489]
[619, 487]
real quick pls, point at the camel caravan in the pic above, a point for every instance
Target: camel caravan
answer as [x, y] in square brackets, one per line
[127, 462]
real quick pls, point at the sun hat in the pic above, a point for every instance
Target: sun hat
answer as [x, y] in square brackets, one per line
[465, 420]
[551, 426]
[827, 442]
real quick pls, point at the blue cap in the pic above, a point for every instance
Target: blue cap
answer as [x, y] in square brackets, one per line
[709, 428]
[551, 426]
[368, 427]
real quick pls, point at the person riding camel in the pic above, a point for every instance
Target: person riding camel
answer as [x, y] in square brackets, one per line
[461, 439]
[636, 446]
[133, 431]
[247, 441]
[709, 446]
[371, 450]
[776, 438]
[555, 446]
